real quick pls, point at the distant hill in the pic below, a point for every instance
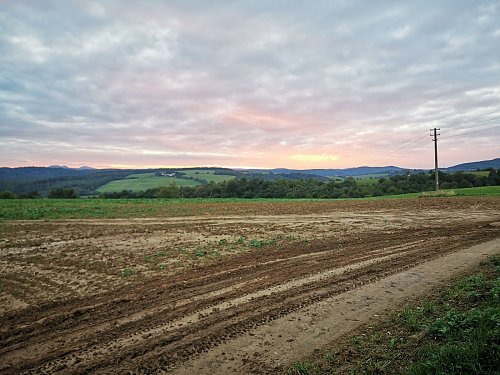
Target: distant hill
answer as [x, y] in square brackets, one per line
[38, 173]
[66, 167]
[388, 170]
[58, 167]
[493, 163]
[345, 172]
[41, 179]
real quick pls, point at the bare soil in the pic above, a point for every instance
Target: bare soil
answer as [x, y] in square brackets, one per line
[166, 294]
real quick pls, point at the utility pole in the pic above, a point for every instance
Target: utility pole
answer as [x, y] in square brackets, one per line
[435, 140]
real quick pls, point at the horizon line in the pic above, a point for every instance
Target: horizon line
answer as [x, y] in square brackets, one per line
[125, 167]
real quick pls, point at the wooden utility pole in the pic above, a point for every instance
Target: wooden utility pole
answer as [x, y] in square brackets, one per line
[435, 140]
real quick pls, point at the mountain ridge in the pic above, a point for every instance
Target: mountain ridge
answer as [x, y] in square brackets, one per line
[324, 172]
[472, 166]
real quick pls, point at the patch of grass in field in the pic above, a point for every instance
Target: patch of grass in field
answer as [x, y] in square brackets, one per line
[160, 253]
[204, 253]
[126, 272]
[456, 331]
[367, 181]
[476, 191]
[480, 173]
[162, 266]
[140, 175]
[30, 209]
[300, 368]
[201, 253]
[207, 175]
[373, 176]
[463, 192]
[144, 181]
[259, 244]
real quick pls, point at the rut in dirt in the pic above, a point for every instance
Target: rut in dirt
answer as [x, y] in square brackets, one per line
[160, 323]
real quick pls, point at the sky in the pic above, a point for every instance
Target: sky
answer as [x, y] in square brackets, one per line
[262, 84]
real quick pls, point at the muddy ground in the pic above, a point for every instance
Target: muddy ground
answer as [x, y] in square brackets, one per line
[153, 295]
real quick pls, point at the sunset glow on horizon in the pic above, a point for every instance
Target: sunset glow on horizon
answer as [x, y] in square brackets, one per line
[271, 84]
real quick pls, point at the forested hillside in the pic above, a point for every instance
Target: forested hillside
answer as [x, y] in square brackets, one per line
[310, 188]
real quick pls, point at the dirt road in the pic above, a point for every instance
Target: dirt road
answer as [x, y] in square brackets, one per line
[221, 310]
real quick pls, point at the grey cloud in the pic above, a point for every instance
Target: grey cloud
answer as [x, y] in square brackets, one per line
[167, 76]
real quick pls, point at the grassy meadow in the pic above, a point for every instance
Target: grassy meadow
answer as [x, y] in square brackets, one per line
[367, 181]
[97, 208]
[144, 181]
[490, 191]
[207, 175]
[480, 173]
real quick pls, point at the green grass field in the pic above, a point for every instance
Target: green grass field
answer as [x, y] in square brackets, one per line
[144, 181]
[480, 173]
[485, 190]
[26, 209]
[140, 175]
[94, 208]
[490, 191]
[206, 174]
[97, 208]
[493, 191]
[373, 176]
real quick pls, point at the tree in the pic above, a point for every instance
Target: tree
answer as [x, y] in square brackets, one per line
[7, 195]
[30, 195]
[171, 191]
[61, 193]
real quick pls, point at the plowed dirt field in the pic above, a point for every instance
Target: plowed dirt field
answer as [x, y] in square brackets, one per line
[153, 295]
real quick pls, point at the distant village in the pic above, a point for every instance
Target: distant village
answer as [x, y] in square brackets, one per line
[165, 174]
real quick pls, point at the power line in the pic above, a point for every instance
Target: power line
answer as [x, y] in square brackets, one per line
[475, 132]
[409, 144]
[471, 119]
[402, 149]
[475, 125]
[458, 126]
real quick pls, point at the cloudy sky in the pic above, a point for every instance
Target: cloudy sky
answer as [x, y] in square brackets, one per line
[298, 84]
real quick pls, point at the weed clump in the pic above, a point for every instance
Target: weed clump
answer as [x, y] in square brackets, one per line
[126, 272]
[162, 266]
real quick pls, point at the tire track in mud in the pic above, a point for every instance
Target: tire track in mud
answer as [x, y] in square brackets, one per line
[163, 330]
[167, 324]
[170, 351]
[198, 282]
[198, 288]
